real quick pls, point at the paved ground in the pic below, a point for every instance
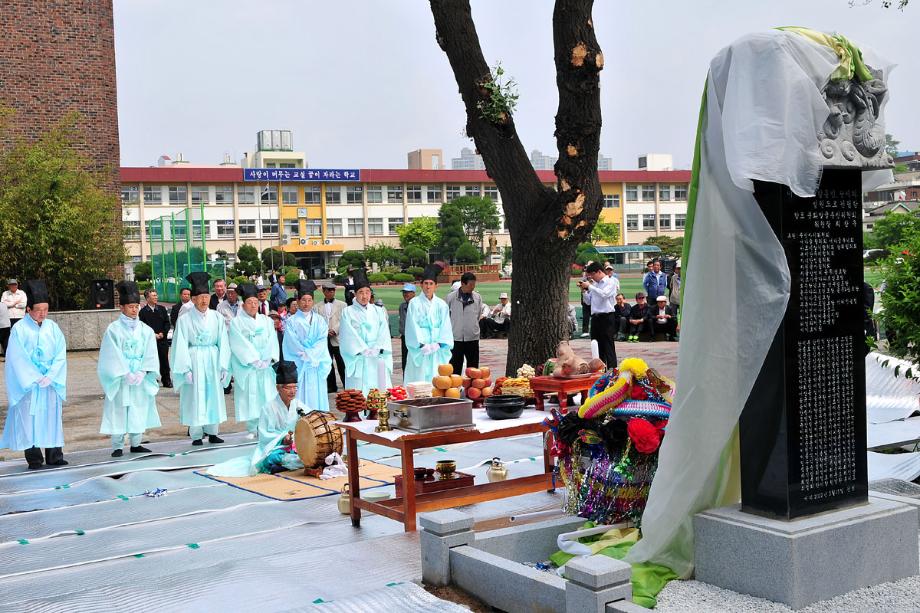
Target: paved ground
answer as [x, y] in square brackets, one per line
[83, 409]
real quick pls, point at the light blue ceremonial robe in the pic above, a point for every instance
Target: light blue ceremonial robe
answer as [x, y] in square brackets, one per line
[305, 336]
[364, 328]
[427, 321]
[34, 415]
[275, 421]
[200, 345]
[128, 349]
[252, 339]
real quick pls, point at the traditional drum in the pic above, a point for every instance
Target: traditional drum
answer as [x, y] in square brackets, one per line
[316, 436]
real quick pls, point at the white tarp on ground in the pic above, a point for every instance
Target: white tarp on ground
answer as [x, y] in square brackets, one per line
[904, 466]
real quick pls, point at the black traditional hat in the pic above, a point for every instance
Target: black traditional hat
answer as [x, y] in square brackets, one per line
[360, 277]
[432, 271]
[286, 372]
[36, 292]
[128, 293]
[304, 286]
[199, 282]
[247, 290]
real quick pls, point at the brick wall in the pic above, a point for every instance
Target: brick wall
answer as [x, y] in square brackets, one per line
[58, 56]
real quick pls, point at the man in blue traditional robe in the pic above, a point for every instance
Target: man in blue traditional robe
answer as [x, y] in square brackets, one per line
[305, 344]
[429, 335]
[128, 367]
[253, 350]
[201, 364]
[364, 339]
[277, 421]
[36, 383]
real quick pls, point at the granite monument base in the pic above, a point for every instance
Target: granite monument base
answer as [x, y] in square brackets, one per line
[803, 561]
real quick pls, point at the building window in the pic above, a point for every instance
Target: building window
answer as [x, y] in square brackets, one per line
[472, 190]
[292, 227]
[132, 230]
[287, 165]
[414, 193]
[374, 194]
[333, 194]
[270, 196]
[664, 192]
[224, 228]
[312, 194]
[314, 227]
[664, 222]
[492, 193]
[395, 223]
[269, 227]
[129, 194]
[611, 201]
[198, 226]
[223, 194]
[355, 226]
[178, 194]
[453, 192]
[648, 222]
[289, 194]
[334, 227]
[179, 229]
[394, 194]
[354, 194]
[434, 194]
[680, 221]
[648, 193]
[154, 229]
[246, 194]
[632, 222]
[153, 194]
[247, 227]
[200, 194]
[375, 226]
[632, 194]
[680, 192]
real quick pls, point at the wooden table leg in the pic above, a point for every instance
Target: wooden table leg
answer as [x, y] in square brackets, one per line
[548, 461]
[408, 475]
[538, 400]
[563, 402]
[354, 479]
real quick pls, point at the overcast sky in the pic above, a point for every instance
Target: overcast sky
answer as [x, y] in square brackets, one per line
[362, 82]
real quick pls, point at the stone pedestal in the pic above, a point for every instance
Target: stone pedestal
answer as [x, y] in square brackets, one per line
[806, 560]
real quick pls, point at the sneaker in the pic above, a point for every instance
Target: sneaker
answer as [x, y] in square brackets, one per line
[139, 449]
[585, 335]
[633, 339]
[251, 436]
[196, 442]
[117, 453]
[213, 438]
[621, 337]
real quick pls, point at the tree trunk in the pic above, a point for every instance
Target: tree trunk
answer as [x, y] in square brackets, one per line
[546, 226]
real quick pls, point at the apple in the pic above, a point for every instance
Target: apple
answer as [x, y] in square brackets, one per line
[473, 373]
[473, 393]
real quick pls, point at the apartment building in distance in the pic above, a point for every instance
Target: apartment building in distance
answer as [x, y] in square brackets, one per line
[317, 214]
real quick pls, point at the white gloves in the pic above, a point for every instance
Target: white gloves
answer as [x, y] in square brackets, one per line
[263, 364]
[134, 378]
[44, 382]
[430, 348]
[224, 377]
[189, 377]
[369, 353]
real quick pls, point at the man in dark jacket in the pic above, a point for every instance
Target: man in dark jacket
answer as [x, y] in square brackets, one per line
[639, 319]
[185, 295]
[662, 318]
[155, 316]
[621, 317]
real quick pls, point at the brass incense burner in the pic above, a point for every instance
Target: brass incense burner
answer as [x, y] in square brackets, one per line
[377, 407]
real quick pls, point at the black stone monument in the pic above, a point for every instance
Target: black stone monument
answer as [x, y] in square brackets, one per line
[803, 428]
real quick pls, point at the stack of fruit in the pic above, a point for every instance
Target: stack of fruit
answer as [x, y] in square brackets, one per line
[446, 384]
[397, 393]
[478, 384]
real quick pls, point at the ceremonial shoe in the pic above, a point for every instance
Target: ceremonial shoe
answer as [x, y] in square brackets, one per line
[117, 453]
[167, 384]
[585, 335]
[34, 466]
[61, 462]
[277, 468]
[213, 438]
[139, 449]
[197, 441]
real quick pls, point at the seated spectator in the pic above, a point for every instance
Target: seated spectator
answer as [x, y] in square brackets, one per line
[639, 319]
[663, 319]
[499, 319]
[621, 316]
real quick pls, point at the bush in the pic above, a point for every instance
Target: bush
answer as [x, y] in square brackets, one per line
[239, 280]
[468, 253]
[416, 271]
[340, 279]
[143, 286]
[378, 277]
[577, 270]
[900, 315]
[402, 277]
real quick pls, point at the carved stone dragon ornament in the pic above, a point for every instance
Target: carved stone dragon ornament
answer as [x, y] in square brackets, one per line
[853, 134]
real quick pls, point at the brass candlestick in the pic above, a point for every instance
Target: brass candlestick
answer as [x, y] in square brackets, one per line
[377, 405]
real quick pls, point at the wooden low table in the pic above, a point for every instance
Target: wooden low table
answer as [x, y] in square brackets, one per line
[404, 509]
[564, 387]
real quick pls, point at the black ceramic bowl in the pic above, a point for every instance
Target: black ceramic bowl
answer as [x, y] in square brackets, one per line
[506, 406]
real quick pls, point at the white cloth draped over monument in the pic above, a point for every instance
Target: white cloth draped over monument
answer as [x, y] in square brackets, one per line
[763, 109]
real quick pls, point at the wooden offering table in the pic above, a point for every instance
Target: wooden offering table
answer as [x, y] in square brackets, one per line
[404, 509]
[563, 386]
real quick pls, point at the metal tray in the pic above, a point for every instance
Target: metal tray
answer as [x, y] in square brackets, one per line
[420, 415]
